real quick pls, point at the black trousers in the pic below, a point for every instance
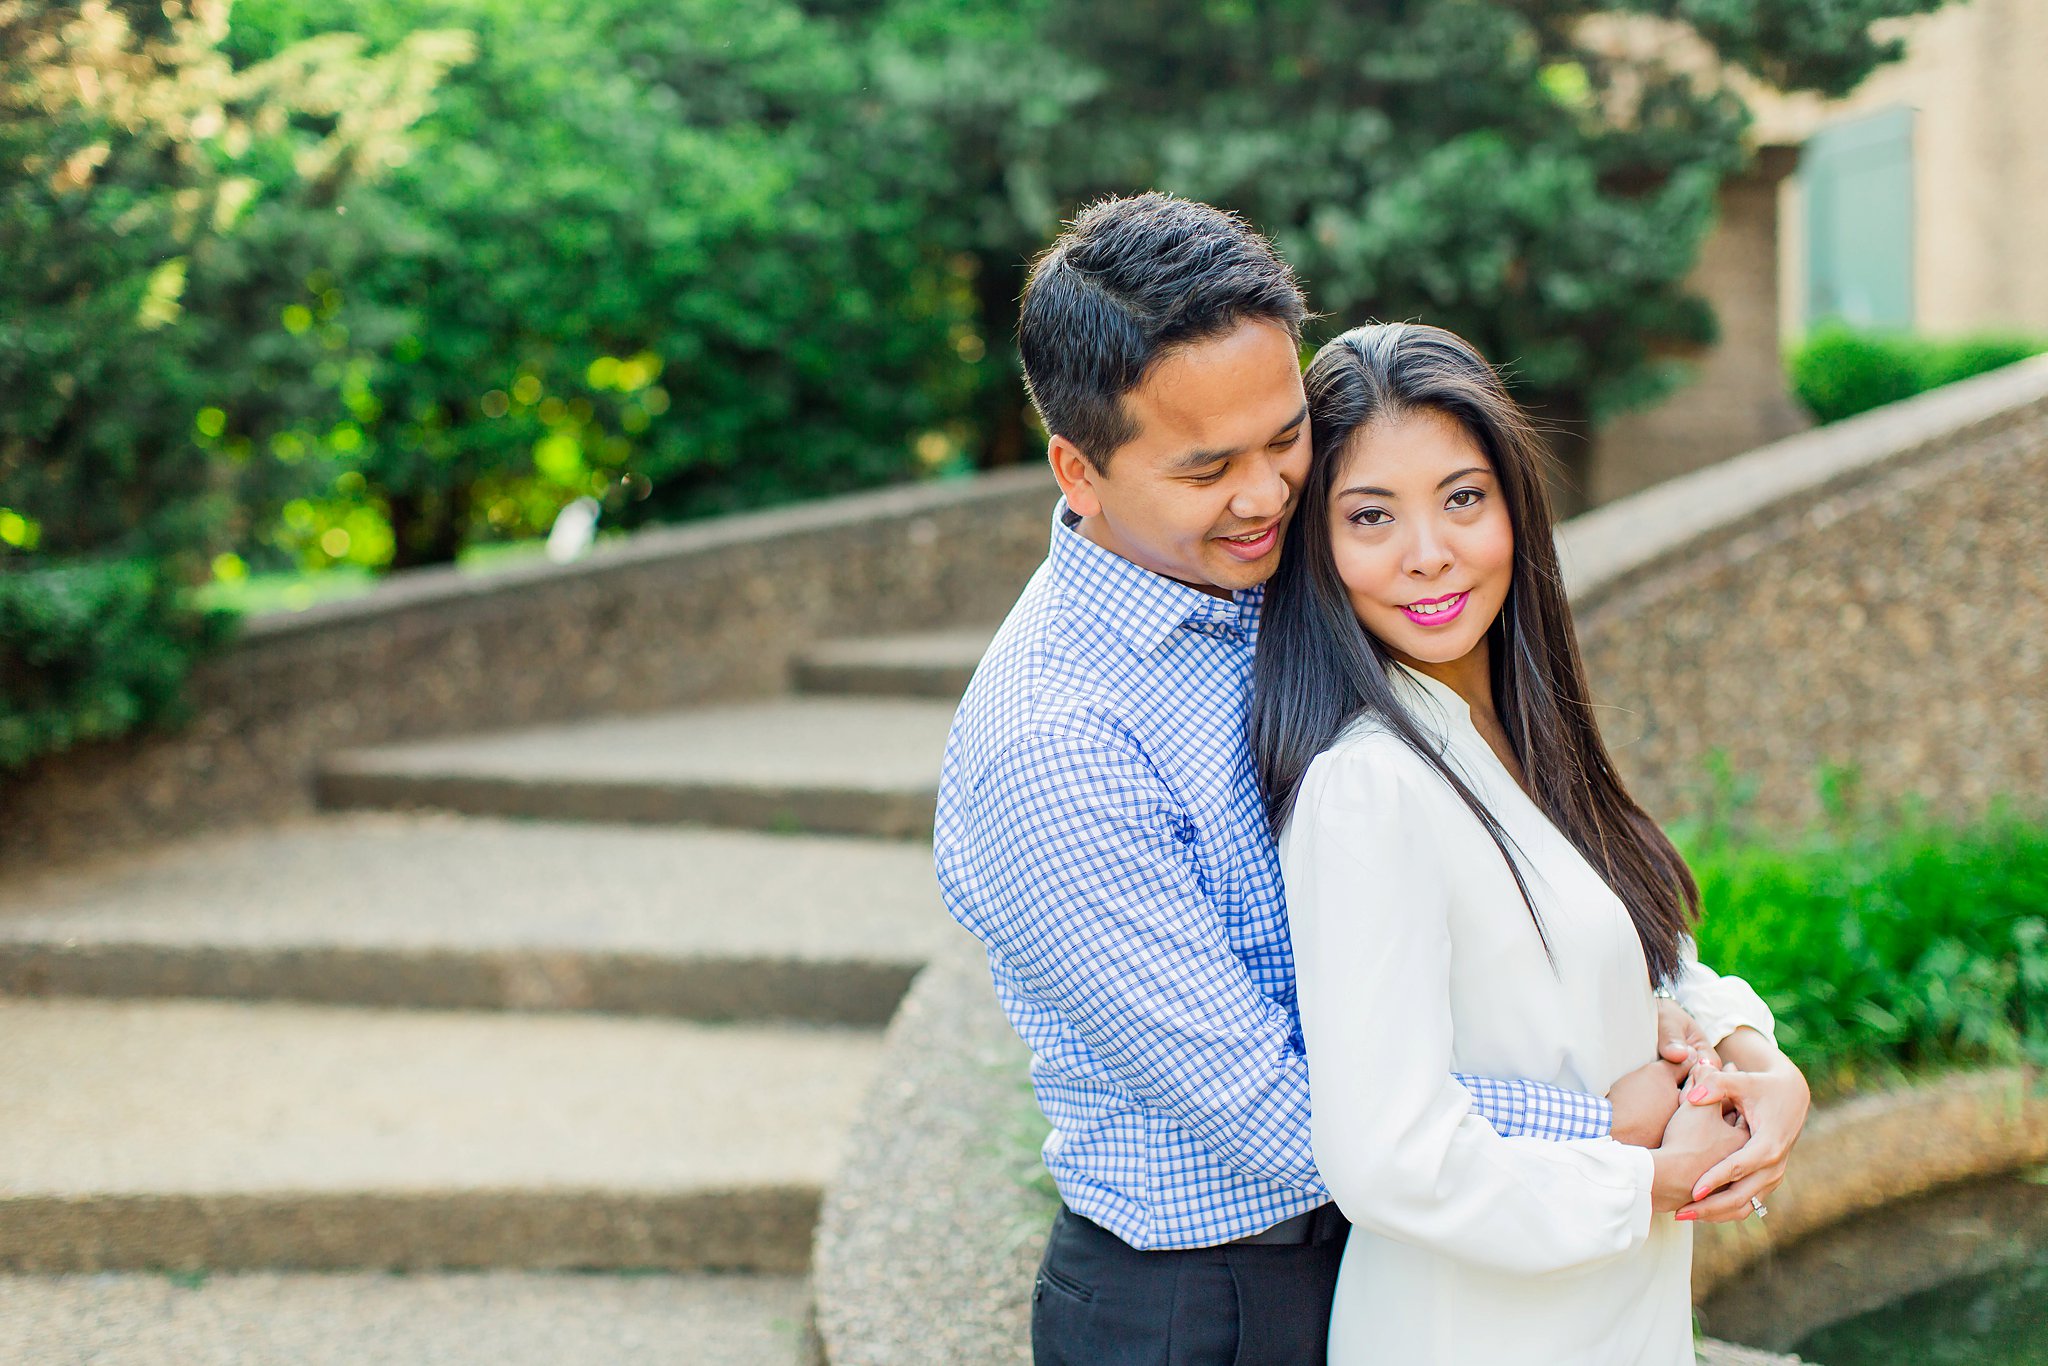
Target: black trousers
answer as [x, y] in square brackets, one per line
[1098, 1301]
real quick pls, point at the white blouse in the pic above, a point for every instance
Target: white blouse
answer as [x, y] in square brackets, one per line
[1416, 958]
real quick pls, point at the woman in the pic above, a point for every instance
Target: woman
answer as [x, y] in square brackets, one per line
[1470, 889]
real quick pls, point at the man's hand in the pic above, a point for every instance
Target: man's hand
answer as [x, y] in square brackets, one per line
[1772, 1096]
[1679, 1036]
[1698, 1138]
[1644, 1101]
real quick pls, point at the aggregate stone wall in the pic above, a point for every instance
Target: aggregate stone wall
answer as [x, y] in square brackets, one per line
[668, 618]
[1871, 594]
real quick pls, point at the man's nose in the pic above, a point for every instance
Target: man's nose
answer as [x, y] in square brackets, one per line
[1263, 493]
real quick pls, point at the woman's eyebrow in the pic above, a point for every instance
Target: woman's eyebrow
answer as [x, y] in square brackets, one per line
[1450, 478]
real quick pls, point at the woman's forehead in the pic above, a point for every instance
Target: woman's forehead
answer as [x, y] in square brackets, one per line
[1410, 446]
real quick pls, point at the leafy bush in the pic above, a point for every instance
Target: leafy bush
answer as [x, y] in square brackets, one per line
[1887, 946]
[159, 209]
[639, 252]
[1839, 371]
[91, 650]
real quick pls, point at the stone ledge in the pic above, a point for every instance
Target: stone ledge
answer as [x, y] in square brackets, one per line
[1612, 546]
[1878, 1149]
[674, 617]
[436, 588]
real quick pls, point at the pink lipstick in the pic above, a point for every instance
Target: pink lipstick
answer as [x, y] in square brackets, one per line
[1436, 611]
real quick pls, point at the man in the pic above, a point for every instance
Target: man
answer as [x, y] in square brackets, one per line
[1101, 830]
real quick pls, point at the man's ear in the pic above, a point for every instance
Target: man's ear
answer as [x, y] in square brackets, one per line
[1077, 476]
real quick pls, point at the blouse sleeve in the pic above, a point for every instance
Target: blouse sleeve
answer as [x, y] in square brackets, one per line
[1720, 1004]
[1369, 859]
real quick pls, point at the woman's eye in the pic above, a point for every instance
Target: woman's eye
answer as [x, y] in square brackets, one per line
[1370, 517]
[1464, 498]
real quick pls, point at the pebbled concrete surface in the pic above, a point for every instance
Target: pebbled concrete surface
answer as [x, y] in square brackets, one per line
[926, 664]
[486, 1319]
[866, 766]
[199, 1134]
[432, 910]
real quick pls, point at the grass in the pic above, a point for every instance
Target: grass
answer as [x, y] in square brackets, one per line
[1886, 945]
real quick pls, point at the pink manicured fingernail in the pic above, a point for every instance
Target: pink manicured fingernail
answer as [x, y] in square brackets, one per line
[1686, 1216]
[1697, 1094]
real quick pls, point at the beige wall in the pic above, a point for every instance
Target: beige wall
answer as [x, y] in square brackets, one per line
[1735, 399]
[1976, 75]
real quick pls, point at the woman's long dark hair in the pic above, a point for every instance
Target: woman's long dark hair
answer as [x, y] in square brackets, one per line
[1318, 669]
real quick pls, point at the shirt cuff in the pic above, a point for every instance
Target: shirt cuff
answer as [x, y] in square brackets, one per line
[1527, 1109]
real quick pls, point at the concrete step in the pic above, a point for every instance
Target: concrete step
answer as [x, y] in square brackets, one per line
[451, 912]
[859, 766]
[228, 1136]
[929, 664]
[498, 1318]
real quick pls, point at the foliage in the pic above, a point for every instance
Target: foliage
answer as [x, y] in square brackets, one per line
[638, 255]
[1839, 371]
[157, 209]
[1531, 174]
[89, 651]
[1886, 944]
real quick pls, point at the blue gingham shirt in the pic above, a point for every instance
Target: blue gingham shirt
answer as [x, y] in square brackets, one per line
[1100, 829]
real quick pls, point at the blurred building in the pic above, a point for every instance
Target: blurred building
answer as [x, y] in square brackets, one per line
[1918, 202]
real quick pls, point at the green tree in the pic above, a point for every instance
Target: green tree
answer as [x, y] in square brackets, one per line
[158, 210]
[1535, 174]
[643, 258]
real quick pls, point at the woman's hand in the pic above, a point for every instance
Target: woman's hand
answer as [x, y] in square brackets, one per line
[1698, 1138]
[1679, 1036]
[1773, 1097]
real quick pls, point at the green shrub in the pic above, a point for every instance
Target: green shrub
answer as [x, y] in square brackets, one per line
[1839, 371]
[1887, 947]
[90, 650]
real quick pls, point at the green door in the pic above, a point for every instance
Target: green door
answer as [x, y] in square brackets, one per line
[1857, 178]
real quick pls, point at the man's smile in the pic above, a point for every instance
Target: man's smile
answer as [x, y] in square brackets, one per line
[1252, 545]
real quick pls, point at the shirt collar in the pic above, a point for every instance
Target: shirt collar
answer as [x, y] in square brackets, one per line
[1143, 608]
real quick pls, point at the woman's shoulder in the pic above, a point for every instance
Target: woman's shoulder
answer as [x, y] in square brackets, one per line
[1368, 765]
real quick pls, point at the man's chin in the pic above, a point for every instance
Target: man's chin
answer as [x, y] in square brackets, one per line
[1233, 575]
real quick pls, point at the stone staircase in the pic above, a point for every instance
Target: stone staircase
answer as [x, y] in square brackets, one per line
[564, 1025]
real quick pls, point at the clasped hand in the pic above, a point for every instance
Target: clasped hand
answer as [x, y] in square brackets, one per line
[1721, 1122]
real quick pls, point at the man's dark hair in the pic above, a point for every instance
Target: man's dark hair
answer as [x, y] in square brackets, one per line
[1127, 282]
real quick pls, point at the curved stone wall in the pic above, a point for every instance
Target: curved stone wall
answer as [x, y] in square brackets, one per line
[1871, 594]
[667, 618]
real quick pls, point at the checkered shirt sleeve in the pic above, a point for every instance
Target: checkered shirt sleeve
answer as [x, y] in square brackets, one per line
[1527, 1109]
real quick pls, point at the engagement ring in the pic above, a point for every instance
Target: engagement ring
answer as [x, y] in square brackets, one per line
[1758, 1206]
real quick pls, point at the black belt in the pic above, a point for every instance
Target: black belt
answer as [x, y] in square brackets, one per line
[1318, 1225]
